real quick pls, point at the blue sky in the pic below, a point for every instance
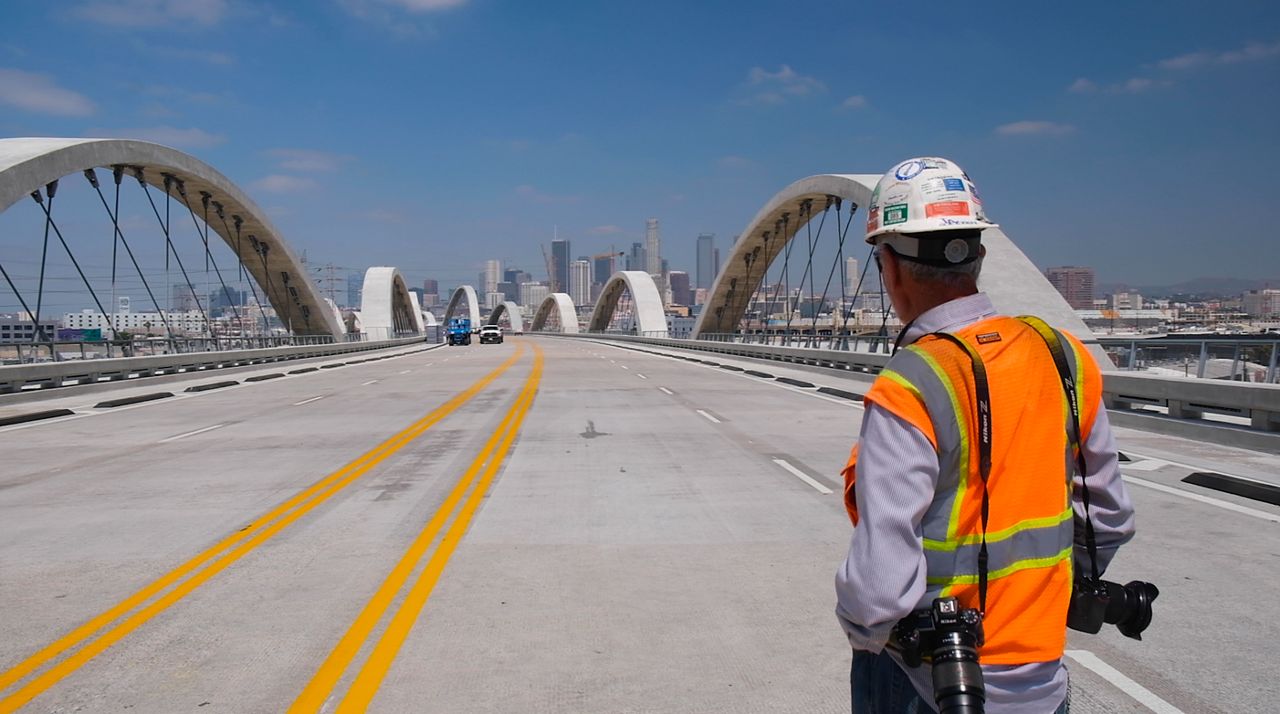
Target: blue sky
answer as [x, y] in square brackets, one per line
[1138, 137]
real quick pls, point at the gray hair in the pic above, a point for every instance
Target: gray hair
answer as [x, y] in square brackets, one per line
[953, 276]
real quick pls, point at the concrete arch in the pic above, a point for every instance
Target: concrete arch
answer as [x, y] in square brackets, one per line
[337, 313]
[387, 308]
[429, 319]
[1015, 285]
[473, 305]
[418, 324]
[650, 317]
[29, 164]
[562, 306]
[512, 311]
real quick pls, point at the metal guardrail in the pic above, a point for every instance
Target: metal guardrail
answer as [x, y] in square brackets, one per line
[48, 375]
[39, 352]
[1183, 397]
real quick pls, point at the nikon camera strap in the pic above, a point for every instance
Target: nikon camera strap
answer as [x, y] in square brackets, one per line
[984, 452]
[1054, 342]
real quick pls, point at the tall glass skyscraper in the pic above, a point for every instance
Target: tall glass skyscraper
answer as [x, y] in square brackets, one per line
[559, 266]
[706, 267]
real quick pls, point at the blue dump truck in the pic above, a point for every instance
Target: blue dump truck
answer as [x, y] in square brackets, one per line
[460, 331]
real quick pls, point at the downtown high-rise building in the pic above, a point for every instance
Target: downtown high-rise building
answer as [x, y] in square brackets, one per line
[559, 279]
[707, 266]
[1075, 283]
[355, 284]
[580, 282]
[430, 293]
[652, 248]
[532, 294]
[492, 275]
[681, 291]
[636, 258]
[603, 268]
[850, 276]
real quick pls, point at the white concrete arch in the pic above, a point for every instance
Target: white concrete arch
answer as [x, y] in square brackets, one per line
[418, 324]
[429, 319]
[512, 311]
[468, 293]
[650, 317]
[387, 308]
[1015, 285]
[561, 305]
[337, 313]
[29, 164]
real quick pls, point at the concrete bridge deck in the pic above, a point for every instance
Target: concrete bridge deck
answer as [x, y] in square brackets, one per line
[657, 537]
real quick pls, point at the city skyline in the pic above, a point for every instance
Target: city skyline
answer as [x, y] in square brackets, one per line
[1190, 96]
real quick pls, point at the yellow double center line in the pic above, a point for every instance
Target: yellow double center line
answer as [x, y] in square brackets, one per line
[375, 668]
[213, 560]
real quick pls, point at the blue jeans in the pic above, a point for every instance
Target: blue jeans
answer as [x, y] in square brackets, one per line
[877, 685]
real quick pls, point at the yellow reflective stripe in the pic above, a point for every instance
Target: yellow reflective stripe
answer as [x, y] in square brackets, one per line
[962, 422]
[1029, 564]
[903, 382]
[1002, 534]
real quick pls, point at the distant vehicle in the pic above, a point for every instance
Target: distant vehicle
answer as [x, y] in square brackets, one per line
[459, 331]
[490, 333]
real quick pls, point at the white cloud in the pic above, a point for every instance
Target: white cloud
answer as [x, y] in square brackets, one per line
[152, 13]
[1251, 52]
[765, 87]
[533, 194]
[399, 17]
[1082, 86]
[1034, 128]
[1138, 85]
[734, 162]
[39, 93]
[192, 138]
[281, 183]
[857, 101]
[308, 160]
[425, 5]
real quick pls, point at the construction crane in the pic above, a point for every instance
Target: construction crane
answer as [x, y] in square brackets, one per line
[551, 269]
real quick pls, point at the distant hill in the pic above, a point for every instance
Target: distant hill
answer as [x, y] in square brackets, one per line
[1206, 287]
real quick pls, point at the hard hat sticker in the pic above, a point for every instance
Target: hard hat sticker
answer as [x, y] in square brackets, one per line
[873, 218]
[946, 208]
[953, 184]
[895, 214]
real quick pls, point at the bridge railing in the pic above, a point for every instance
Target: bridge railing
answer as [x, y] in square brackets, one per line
[1245, 404]
[51, 374]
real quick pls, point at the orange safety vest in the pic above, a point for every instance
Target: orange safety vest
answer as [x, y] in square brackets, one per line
[1030, 530]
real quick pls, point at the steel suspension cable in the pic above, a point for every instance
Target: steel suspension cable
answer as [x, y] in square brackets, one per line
[52, 188]
[21, 301]
[208, 256]
[786, 267]
[168, 240]
[842, 233]
[239, 222]
[807, 209]
[117, 173]
[750, 259]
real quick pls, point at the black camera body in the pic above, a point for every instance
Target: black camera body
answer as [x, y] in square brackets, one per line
[951, 636]
[1094, 602]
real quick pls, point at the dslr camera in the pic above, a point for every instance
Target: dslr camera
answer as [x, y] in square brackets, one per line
[949, 635]
[1094, 602]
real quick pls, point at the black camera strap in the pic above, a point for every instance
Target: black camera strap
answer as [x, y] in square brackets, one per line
[983, 394]
[1051, 339]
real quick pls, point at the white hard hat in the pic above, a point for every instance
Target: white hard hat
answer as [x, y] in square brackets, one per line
[927, 195]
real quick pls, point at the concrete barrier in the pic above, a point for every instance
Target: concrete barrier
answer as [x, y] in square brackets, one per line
[49, 375]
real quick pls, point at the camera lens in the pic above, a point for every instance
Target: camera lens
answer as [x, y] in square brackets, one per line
[1129, 608]
[957, 677]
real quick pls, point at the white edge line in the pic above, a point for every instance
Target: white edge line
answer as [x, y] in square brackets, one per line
[803, 476]
[1204, 499]
[1140, 693]
[710, 418]
[307, 401]
[1192, 468]
[192, 433]
[666, 391]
